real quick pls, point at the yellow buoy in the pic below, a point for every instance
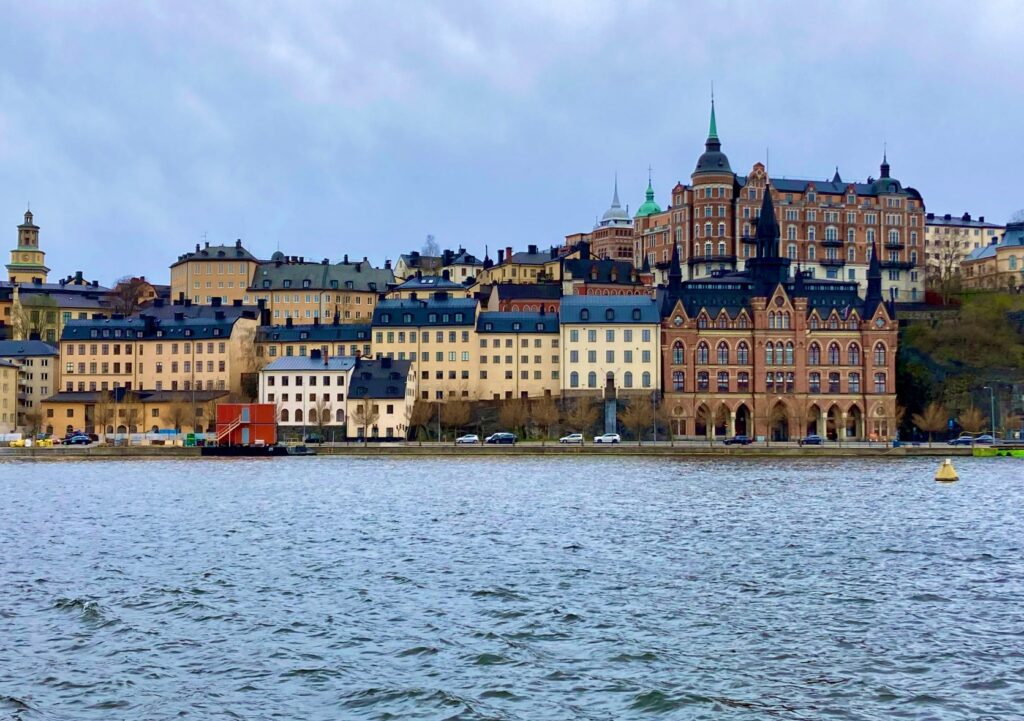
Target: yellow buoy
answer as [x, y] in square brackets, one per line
[946, 472]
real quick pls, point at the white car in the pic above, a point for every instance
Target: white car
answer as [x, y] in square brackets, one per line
[469, 438]
[572, 438]
[608, 438]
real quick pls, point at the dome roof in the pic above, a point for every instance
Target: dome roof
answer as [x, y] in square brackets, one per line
[649, 207]
[616, 214]
[712, 160]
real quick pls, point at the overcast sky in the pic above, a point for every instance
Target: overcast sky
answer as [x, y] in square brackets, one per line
[137, 129]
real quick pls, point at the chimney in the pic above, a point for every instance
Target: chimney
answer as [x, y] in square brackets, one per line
[288, 322]
[446, 274]
[316, 321]
[387, 264]
[385, 362]
[188, 302]
[412, 296]
[158, 302]
[197, 247]
[237, 302]
[508, 252]
[981, 218]
[264, 316]
[532, 249]
[345, 261]
[238, 242]
[215, 301]
[501, 256]
[207, 244]
[78, 276]
[966, 216]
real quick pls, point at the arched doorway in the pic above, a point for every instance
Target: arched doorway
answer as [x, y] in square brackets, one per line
[855, 423]
[609, 385]
[813, 419]
[833, 421]
[722, 420]
[778, 422]
[702, 421]
[743, 427]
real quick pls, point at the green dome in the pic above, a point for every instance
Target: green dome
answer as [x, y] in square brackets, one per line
[649, 207]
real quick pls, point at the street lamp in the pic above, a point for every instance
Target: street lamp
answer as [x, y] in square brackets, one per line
[991, 409]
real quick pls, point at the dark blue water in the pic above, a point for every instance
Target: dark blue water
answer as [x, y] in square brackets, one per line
[318, 588]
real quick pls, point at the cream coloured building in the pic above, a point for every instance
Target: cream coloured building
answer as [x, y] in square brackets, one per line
[219, 271]
[949, 240]
[998, 265]
[8, 396]
[39, 368]
[519, 355]
[309, 391]
[381, 398]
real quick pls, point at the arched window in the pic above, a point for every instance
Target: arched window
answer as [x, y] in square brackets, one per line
[298, 415]
[810, 252]
[723, 381]
[678, 379]
[771, 320]
[741, 322]
[722, 322]
[627, 379]
[779, 353]
[312, 415]
[584, 314]
[707, 230]
[677, 353]
[814, 383]
[814, 322]
[721, 230]
[791, 234]
[811, 233]
[696, 231]
[853, 382]
[574, 380]
[789, 353]
[723, 353]
[591, 379]
[645, 379]
[831, 233]
[786, 319]
[721, 245]
[851, 255]
[791, 251]
[879, 354]
[851, 235]
[853, 355]
[1013, 262]
[339, 416]
[707, 247]
[814, 355]
[284, 415]
[769, 350]
[742, 353]
[702, 353]
[833, 354]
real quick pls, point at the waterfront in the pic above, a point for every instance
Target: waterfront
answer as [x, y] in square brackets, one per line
[501, 588]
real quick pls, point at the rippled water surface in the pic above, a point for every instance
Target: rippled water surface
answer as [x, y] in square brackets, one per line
[333, 588]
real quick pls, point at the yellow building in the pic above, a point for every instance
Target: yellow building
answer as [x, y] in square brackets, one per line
[122, 411]
[382, 394]
[420, 285]
[170, 348]
[28, 262]
[519, 355]
[438, 335]
[219, 271]
[949, 240]
[39, 377]
[293, 288]
[530, 266]
[998, 265]
[610, 345]
[8, 396]
[43, 309]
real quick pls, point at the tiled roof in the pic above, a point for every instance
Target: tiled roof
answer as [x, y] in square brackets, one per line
[517, 322]
[958, 221]
[361, 276]
[216, 252]
[146, 326]
[582, 270]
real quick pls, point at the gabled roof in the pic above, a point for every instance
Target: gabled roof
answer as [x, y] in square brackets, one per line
[516, 322]
[145, 326]
[582, 269]
[430, 283]
[870, 190]
[216, 252]
[280, 275]
[26, 349]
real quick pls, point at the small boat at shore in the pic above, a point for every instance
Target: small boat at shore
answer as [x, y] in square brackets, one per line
[256, 451]
[1000, 450]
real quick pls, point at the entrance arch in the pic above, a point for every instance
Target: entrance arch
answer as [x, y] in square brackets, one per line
[855, 423]
[778, 422]
[721, 424]
[743, 427]
[702, 421]
[833, 421]
[813, 425]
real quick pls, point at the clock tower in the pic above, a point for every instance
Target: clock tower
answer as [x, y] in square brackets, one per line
[27, 261]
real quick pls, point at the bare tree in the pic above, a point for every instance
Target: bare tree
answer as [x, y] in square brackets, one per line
[513, 414]
[546, 415]
[103, 413]
[366, 414]
[33, 419]
[637, 417]
[175, 414]
[322, 408]
[972, 420]
[430, 247]
[128, 295]
[582, 415]
[456, 414]
[663, 416]
[419, 415]
[931, 420]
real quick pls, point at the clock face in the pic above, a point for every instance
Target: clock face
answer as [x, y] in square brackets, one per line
[678, 320]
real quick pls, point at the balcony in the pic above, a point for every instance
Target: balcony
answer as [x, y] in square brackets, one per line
[832, 262]
[834, 243]
[896, 264]
[894, 245]
[711, 259]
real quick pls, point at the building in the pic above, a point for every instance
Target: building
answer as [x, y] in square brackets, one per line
[178, 347]
[775, 353]
[437, 334]
[28, 261]
[519, 355]
[122, 411]
[610, 345]
[949, 239]
[612, 236]
[381, 398]
[461, 265]
[246, 424]
[828, 227]
[42, 309]
[38, 378]
[218, 271]
[999, 265]
[308, 391]
[411, 263]
[597, 276]
[8, 395]
[423, 285]
[523, 297]
[532, 265]
[278, 341]
[291, 287]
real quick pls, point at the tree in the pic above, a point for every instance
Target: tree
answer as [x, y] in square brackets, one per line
[322, 407]
[419, 415]
[583, 414]
[972, 420]
[545, 414]
[637, 417]
[664, 418]
[430, 247]
[456, 414]
[366, 414]
[249, 363]
[1011, 422]
[175, 414]
[931, 420]
[102, 413]
[513, 414]
[33, 419]
[128, 295]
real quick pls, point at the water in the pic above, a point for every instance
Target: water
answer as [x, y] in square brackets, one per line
[333, 588]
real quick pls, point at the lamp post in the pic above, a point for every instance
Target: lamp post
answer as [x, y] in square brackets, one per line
[991, 409]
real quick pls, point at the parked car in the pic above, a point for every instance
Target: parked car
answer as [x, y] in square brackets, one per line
[501, 437]
[966, 439]
[738, 441]
[811, 440]
[984, 439]
[608, 438]
[572, 438]
[313, 438]
[469, 438]
[78, 440]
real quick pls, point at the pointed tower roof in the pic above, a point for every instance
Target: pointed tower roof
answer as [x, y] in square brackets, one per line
[649, 207]
[767, 227]
[675, 269]
[712, 160]
[615, 215]
[713, 127]
[646, 267]
[836, 178]
[884, 169]
[874, 294]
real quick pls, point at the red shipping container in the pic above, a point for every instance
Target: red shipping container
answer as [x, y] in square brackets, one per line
[246, 424]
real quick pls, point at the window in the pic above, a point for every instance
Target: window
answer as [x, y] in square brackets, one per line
[743, 353]
[702, 353]
[833, 383]
[678, 378]
[879, 382]
[591, 379]
[879, 354]
[814, 383]
[723, 381]
[779, 353]
[743, 382]
[853, 382]
[574, 380]
[627, 379]
[645, 379]
[723, 353]
[833, 352]
[814, 354]
[769, 353]
[703, 381]
[789, 353]
[853, 355]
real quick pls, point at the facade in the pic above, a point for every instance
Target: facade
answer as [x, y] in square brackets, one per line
[769, 353]
[279, 341]
[309, 391]
[461, 266]
[9, 372]
[828, 227]
[998, 265]
[423, 285]
[38, 366]
[178, 347]
[381, 398]
[530, 266]
[291, 287]
[42, 309]
[125, 411]
[604, 276]
[524, 297]
[612, 236]
[246, 424]
[219, 271]
[411, 263]
[28, 261]
[610, 345]
[436, 334]
[948, 240]
[519, 355]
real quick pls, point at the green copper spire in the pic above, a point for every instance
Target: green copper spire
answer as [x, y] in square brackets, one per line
[649, 207]
[713, 130]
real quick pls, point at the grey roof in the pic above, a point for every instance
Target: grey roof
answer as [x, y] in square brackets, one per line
[959, 221]
[216, 252]
[143, 396]
[429, 311]
[379, 378]
[423, 262]
[309, 363]
[605, 309]
[7, 364]
[463, 257]
[1013, 237]
[343, 332]
[582, 269]
[516, 322]
[827, 187]
[430, 283]
[145, 326]
[362, 276]
[70, 288]
[26, 349]
[541, 291]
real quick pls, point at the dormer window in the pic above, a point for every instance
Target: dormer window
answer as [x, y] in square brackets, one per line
[385, 318]
[266, 284]
[287, 284]
[540, 326]
[407, 317]
[334, 284]
[304, 335]
[636, 314]
[188, 332]
[432, 318]
[584, 314]
[305, 283]
[488, 326]
[458, 317]
[216, 331]
[517, 326]
[349, 285]
[609, 314]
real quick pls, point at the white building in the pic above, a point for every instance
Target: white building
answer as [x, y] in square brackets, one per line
[309, 391]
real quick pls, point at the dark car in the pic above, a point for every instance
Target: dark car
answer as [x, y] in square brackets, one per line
[738, 441]
[963, 440]
[812, 440]
[313, 438]
[79, 439]
[501, 438]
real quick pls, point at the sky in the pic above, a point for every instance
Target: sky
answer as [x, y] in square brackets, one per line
[138, 129]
